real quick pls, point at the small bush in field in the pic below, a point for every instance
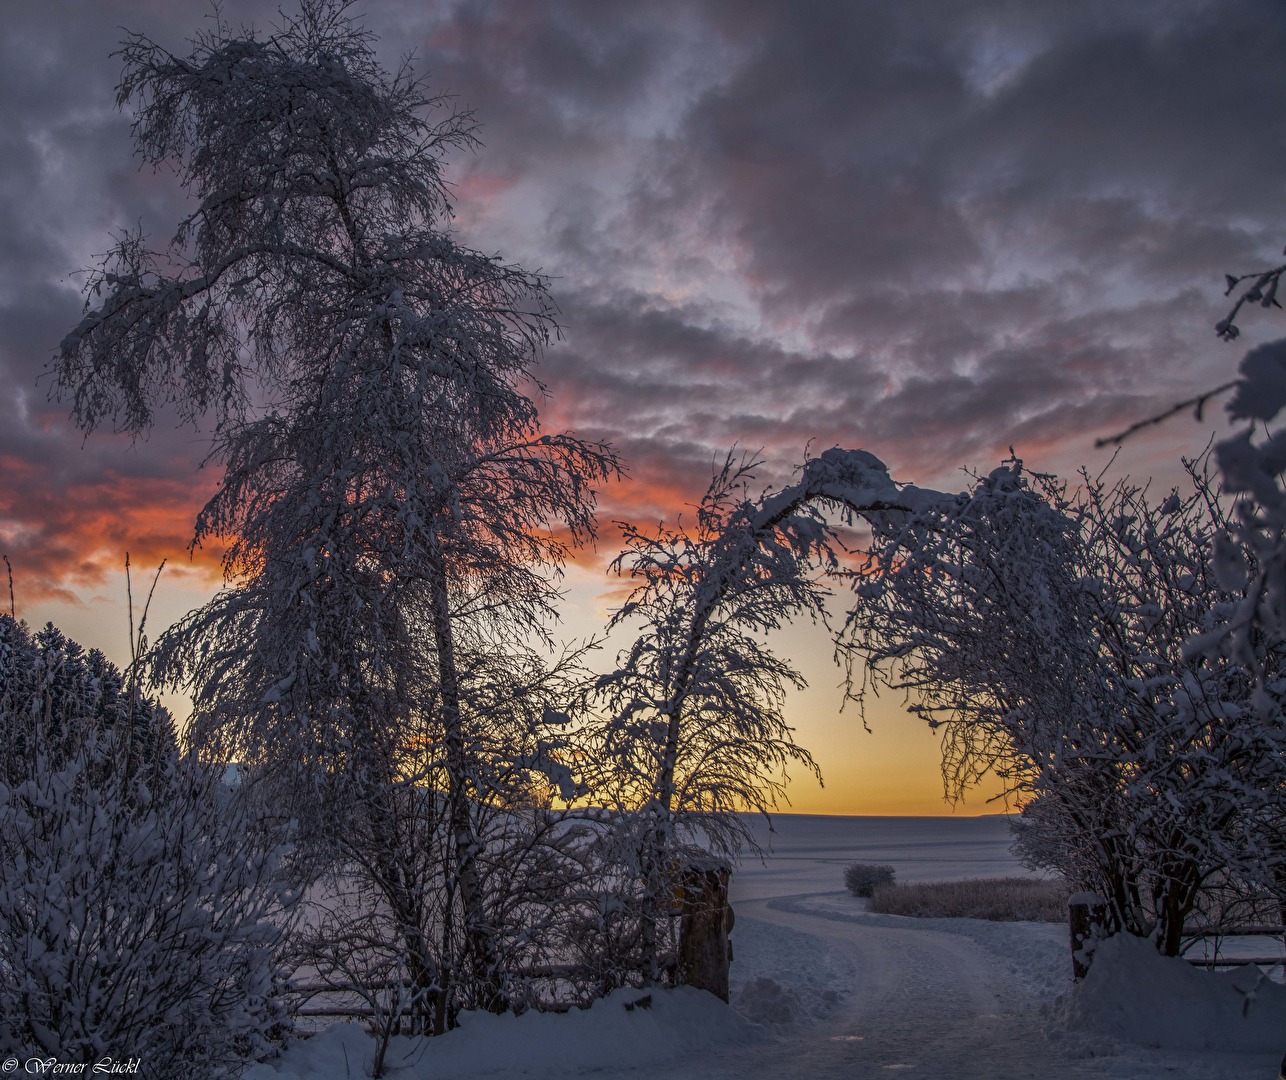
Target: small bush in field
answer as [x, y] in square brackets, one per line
[997, 899]
[863, 878]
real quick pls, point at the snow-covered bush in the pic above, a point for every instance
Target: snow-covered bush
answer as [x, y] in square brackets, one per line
[1046, 636]
[862, 878]
[384, 920]
[140, 913]
[49, 678]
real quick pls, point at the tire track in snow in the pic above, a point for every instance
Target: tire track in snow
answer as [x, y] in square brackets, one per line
[925, 1003]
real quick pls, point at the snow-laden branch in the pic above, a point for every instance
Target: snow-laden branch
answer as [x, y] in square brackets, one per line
[855, 480]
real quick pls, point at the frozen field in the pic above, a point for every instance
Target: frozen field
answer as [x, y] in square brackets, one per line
[822, 989]
[809, 852]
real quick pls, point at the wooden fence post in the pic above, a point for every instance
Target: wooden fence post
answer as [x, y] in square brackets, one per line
[1087, 917]
[706, 918]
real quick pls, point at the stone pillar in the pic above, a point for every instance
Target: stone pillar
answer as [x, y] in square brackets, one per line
[706, 918]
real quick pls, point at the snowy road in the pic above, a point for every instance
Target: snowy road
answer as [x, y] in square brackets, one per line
[924, 1001]
[923, 1004]
[937, 1004]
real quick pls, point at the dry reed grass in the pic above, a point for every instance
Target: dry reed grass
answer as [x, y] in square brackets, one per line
[1010, 899]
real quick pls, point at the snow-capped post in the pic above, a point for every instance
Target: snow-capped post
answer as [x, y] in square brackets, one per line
[1087, 920]
[706, 918]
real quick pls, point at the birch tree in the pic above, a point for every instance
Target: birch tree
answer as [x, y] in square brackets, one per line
[388, 500]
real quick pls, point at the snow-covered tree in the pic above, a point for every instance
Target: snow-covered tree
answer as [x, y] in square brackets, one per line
[390, 505]
[141, 913]
[694, 729]
[1045, 636]
[50, 667]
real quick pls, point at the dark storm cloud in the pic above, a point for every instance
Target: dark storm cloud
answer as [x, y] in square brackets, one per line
[1086, 171]
[862, 142]
[1026, 207]
[929, 229]
[68, 179]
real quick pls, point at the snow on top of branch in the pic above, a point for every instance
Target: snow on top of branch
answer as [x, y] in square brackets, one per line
[1261, 392]
[860, 481]
[856, 480]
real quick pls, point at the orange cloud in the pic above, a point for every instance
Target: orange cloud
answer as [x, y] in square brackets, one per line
[63, 540]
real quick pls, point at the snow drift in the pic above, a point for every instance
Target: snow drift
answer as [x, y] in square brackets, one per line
[629, 1027]
[1134, 993]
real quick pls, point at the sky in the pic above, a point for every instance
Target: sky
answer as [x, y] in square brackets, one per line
[932, 230]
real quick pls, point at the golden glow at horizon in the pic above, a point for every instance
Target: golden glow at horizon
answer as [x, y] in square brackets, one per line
[891, 770]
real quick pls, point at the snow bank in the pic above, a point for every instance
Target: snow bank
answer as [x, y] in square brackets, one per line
[676, 1024]
[1135, 994]
[781, 977]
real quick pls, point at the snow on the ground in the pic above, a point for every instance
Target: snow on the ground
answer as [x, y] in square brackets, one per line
[823, 988]
[781, 978]
[658, 1028]
[1035, 957]
[1134, 994]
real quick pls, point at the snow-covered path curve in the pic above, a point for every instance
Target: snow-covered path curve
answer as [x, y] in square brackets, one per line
[925, 1003]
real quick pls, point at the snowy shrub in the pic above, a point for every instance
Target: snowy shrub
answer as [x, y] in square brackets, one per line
[383, 928]
[861, 878]
[139, 912]
[1046, 636]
